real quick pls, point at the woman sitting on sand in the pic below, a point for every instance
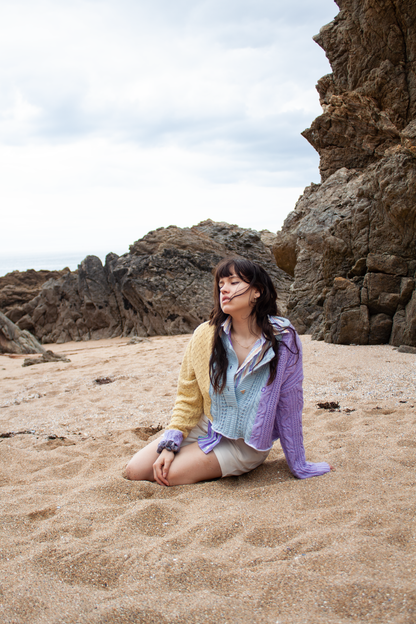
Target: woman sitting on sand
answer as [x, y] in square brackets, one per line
[239, 390]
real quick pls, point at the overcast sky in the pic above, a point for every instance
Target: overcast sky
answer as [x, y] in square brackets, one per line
[120, 116]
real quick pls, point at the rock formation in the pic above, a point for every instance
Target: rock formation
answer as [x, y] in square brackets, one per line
[162, 287]
[45, 358]
[14, 340]
[19, 287]
[350, 241]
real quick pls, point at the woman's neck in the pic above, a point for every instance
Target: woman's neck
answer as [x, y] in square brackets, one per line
[245, 328]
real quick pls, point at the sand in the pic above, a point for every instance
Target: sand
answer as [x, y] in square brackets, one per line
[80, 544]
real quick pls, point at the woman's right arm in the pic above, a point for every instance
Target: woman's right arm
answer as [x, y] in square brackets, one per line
[187, 411]
[161, 467]
[189, 404]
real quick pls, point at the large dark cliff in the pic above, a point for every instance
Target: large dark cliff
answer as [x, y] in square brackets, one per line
[350, 242]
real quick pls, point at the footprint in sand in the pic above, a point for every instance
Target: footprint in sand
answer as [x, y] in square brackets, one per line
[299, 548]
[63, 531]
[55, 442]
[129, 614]
[66, 468]
[400, 538]
[152, 520]
[407, 463]
[358, 601]
[201, 574]
[178, 544]
[94, 567]
[270, 537]
[214, 537]
[22, 605]
[407, 443]
[341, 424]
[42, 514]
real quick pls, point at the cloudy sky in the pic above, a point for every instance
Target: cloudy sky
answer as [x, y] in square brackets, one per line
[120, 116]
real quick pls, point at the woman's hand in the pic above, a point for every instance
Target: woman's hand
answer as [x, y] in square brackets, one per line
[161, 467]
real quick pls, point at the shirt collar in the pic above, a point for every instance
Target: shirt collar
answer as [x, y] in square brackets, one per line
[226, 326]
[279, 324]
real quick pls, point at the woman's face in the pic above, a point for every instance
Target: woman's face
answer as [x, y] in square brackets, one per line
[236, 296]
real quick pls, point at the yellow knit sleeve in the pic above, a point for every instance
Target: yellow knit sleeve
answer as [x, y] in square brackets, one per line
[192, 398]
[189, 402]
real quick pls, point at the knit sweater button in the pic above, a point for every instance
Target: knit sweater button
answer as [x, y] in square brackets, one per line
[242, 391]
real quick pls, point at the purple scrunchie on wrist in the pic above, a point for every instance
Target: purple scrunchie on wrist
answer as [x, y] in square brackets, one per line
[169, 445]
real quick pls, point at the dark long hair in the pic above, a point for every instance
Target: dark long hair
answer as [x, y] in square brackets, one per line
[264, 306]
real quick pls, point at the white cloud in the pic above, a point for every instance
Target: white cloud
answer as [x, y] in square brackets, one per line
[154, 112]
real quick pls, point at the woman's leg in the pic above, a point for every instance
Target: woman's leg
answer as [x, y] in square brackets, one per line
[140, 467]
[190, 465]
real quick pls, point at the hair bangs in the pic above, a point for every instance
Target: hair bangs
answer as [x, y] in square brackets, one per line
[237, 266]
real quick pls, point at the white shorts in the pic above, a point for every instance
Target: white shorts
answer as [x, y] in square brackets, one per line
[235, 457]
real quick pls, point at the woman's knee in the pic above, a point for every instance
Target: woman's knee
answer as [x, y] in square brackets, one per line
[138, 472]
[140, 467]
[130, 472]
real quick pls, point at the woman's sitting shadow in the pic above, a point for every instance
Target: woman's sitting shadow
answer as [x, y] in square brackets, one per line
[270, 472]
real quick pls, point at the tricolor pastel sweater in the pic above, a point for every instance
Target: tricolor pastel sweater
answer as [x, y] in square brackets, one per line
[257, 412]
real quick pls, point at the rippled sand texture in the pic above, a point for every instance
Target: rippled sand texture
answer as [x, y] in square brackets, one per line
[79, 544]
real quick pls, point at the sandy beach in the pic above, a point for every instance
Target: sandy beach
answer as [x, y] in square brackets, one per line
[80, 544]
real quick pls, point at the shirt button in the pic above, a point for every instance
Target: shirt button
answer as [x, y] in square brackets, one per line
[263, 389]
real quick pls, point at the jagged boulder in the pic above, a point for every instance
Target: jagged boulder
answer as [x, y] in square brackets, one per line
[14, 340]
[162, 287]
[19, 287]
[359, 224]
[77, 306]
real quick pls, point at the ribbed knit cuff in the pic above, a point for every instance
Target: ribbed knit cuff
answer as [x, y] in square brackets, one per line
[171, 441]
[168, 445]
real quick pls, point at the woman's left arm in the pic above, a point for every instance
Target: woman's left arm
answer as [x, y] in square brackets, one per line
[289, 418]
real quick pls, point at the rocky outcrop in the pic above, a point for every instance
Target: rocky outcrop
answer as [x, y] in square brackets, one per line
[370, 98]
[162, 287]
[350, 242]
[19, 287]
[14, 340]
[46, 358]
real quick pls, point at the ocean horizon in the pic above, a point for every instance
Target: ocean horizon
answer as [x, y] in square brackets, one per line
[47, 261]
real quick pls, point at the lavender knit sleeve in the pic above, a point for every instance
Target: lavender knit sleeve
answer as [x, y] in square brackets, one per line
[289, 422]
[173, 435]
